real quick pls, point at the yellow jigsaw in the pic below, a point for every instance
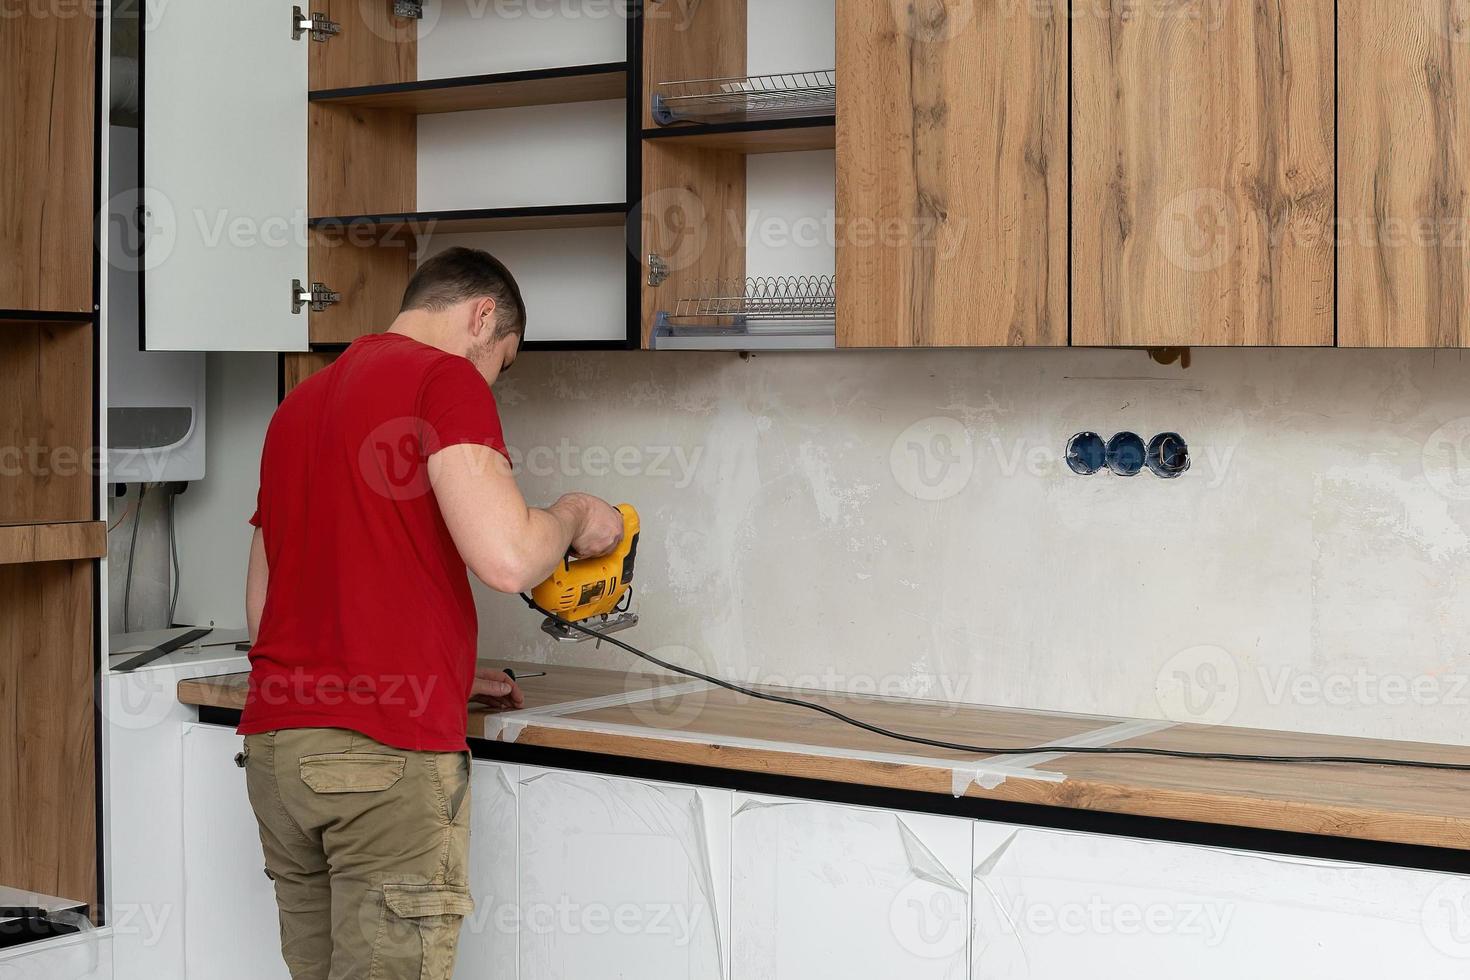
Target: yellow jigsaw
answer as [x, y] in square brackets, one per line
[592, 591]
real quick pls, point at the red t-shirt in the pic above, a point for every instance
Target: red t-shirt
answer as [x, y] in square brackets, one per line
[369, 624]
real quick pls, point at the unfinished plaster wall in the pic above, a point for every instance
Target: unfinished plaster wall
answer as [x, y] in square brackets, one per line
[903, 521]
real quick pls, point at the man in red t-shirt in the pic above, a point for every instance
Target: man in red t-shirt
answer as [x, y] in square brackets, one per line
[383, 478]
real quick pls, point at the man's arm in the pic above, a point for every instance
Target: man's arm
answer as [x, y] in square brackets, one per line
[509, 546]
[256, 577]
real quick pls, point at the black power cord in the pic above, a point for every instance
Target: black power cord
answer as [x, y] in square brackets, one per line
[1346, 760]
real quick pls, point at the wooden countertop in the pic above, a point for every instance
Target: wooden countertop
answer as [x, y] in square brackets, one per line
[713, 727]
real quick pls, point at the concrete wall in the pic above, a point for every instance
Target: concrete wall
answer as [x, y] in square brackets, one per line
[903, 522]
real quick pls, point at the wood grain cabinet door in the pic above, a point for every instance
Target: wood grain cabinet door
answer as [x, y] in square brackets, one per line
[1203, 172]
[47, 120]
[951, 173]
[1404, 90]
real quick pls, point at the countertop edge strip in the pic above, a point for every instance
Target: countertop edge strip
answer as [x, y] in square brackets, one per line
[1352, 850]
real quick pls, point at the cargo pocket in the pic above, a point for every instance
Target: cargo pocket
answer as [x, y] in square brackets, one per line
[422, 928]
[351, 772]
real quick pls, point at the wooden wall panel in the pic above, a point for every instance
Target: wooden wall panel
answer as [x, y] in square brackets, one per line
[47, 185]
[48, 817]
[25, 543]
[690, 39]
[369, 266]
[46, 422]
[361, 161]
[693, 216]
[374, 48]
[296, 368]
[1404, 81]
[952, 174]
[371, 279]
[1203, 186]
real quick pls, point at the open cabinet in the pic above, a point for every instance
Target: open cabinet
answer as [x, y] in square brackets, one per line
[739, 175]
[362, 143]
[890, 175]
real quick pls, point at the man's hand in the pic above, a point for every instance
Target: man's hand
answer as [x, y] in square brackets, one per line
[494, 689]
[601, 526]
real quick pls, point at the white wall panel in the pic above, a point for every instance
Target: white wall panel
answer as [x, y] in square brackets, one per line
[790, 214]
[476, 37]
[532, 155]
[833, 891]
[1050, 904]
[621, 878]
[791, 35]
[574, 281]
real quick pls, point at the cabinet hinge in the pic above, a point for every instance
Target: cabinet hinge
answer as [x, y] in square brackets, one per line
[409, 9]
[658, 269]
[314, 23]
[318, 297]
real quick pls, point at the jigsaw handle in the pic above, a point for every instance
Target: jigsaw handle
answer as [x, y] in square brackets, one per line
[584, 587]
[627, 549]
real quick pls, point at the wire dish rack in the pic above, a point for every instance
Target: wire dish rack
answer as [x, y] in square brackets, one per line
[754, 97]
[762, 298]
[759, 313]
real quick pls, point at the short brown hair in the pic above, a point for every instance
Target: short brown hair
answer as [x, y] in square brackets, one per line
[458, 274]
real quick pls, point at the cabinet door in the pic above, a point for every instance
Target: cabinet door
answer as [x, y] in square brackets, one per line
[231, 930]
[487, 939]
[145, 802]
[1203, 173]
[835, 891]
[622, 878]
[1403, 75]
[47, 124]
[223, 176]
[1054, 904]
[87, 956]
[951, 174]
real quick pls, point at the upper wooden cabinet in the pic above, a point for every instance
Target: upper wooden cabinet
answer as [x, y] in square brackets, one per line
[296, 176]
[47, 180]
[1203, 170]
[951, 174]
[1403, 80]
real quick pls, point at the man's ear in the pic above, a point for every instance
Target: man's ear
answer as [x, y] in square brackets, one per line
[482, 320]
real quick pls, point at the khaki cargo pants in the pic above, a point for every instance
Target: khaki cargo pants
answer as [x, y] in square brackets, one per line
[368, 847]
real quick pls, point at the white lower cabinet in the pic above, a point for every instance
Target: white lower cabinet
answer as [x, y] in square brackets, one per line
[622, 878]
[592, 877]
[1051, 905]
[821, 890]
[487, 942]
[231, 931]
[85, 956]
